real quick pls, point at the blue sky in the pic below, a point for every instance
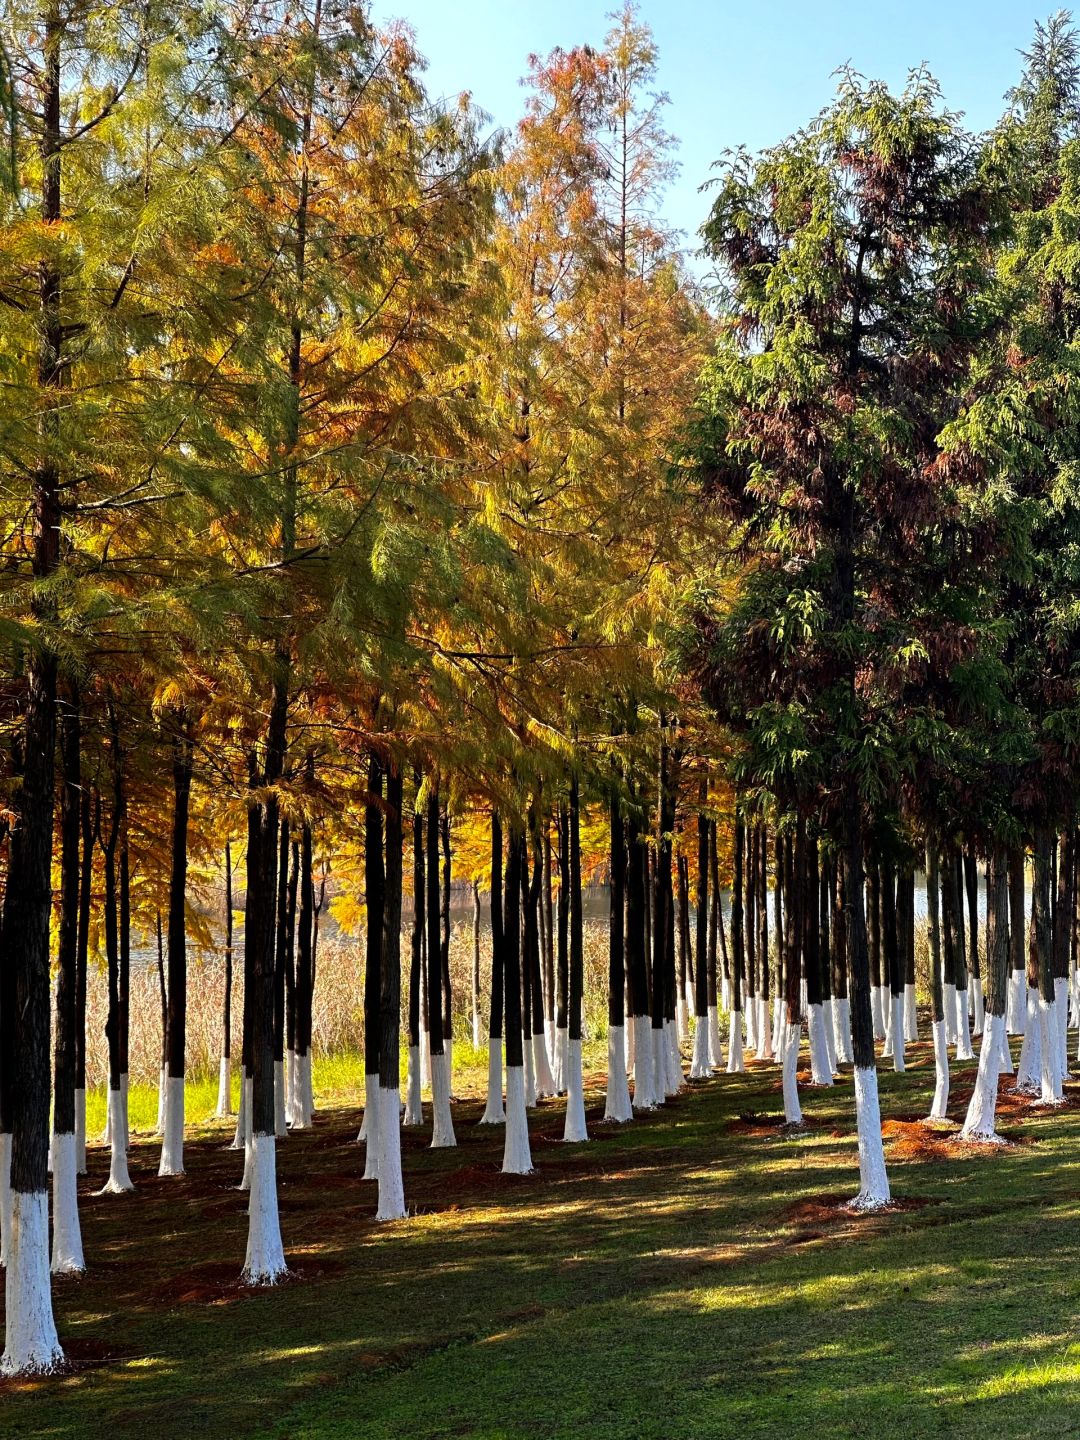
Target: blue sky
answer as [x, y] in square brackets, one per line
[744, 73]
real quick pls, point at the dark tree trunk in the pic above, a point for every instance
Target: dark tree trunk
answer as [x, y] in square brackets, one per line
[737, 919]
[512, 948]
[281, 941]
[261, 907]
[705, 974]
[937, 999]
[1017, 951]
[971, 885]
[390, 972]
[182, 765]
[226, 1008]
[996, 985]
[905, 923]
[498, 940]
[547, 935]
[889, 936]
[68, 939]
[577, 938]
[635, 916]
[616, 915]
[304, 951]
[862, 1025]
[416, 952]
[563, 959]
[375, 895]
[290, 946]
[434, 947]
[447, 992]
[1063, 910]
[86, 890]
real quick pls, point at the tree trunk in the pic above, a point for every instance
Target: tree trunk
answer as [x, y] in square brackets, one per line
[493, 1111]
[391, 1187]
[67, 1252]
[442, 1123]
[375, 898]
[172, 1148]
[517, 1157]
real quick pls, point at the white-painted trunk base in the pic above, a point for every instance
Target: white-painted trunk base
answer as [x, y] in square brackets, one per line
[264, 1263]
[243, 1114]
[224, 1091]
[391, 1183]
[414, 1106]
[896, 1027]
[617, 1103]
[281, 1127]
[716, 1052]
[442, 1127]
[675, 1077]
[67, 1250]
[779, 1020]
[963, 1027]
[700, 1068]
[735, 1064]
[978, 1008]
[561, 1043]
[517, 1157]
[765, 1049]
[979, 1123]
[307, 1091]
[830, 1038]
[119, 1180]
[31, 1344]
[820, 1069]
[949, 1002]
[545, 1081]
[528, 1070]
[877, 1012]
[369, 1132]
[841, 1007]
[911, 1015]
[750, 1011]
[874, 1190]
[172, 1145]
[660, 1066]
[1016, 1011]
[1029, 1069]
[1049, 1070]
[682, 1017]
[1005, 1060]
[644, 1097]
[5, 1196]
[1061, 1017]
[940, 1103]
[574, 1126]
[792, 1041]
[493, 1110]
[80, 1130]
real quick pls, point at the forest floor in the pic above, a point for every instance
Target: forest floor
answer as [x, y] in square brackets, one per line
[694, 1274]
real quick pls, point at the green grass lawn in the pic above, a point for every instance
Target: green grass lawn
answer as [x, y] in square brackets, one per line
[691, 1275]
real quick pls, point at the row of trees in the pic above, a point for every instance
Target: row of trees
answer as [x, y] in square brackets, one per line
[889, 424]
[334, 459]
[360, 472]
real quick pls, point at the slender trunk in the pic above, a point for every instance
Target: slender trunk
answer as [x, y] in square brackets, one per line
[172, 1149]
[391, 1188]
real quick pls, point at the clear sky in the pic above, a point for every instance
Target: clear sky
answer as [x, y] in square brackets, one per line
[738, 72]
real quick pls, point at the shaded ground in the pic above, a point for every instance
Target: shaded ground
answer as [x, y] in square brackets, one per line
[695, 1274]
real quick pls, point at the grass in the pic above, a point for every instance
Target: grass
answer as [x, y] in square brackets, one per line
[691, 1275]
